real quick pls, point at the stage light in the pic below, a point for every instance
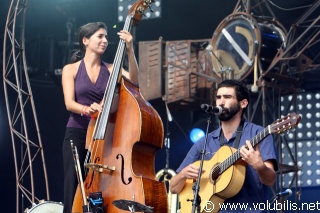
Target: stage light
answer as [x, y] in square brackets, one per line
[125, 5]
[308, 143]
[196, 134]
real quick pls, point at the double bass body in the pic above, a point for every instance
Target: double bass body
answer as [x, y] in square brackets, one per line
[134, 133]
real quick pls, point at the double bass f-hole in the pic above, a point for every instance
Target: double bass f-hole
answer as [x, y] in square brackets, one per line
[122, 171]
[92, 175]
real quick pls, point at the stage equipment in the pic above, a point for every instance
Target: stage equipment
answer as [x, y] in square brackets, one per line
[239, 40]
[188, 78]
[281, 196]
[151, 74]
[307, 147]
[199, 127]
[45, 206]
[196, 134]
[217, 110]
[181, 70]
[132, 206]
[165, 174]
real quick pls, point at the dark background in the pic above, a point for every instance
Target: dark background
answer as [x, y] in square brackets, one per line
[46, 24]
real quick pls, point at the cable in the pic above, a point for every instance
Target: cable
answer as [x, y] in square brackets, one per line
[288, 9]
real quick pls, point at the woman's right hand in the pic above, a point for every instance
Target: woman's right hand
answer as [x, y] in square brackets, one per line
[93, 108]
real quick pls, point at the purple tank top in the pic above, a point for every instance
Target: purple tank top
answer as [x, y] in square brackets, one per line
[86, 93]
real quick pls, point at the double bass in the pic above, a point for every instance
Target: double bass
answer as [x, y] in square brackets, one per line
[122, 141]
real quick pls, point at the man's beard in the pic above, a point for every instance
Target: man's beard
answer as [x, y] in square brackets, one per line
[229, 113]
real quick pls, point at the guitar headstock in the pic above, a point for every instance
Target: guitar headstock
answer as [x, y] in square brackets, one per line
[138, 8]
[286, 123]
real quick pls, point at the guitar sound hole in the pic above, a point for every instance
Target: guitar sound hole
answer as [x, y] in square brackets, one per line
[215, 172]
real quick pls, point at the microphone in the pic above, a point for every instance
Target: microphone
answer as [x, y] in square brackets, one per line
[287, 192]
[217, 110]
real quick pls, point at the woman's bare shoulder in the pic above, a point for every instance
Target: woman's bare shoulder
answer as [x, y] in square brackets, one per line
[71, 68]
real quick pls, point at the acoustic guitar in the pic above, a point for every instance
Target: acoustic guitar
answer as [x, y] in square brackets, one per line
[225, 171]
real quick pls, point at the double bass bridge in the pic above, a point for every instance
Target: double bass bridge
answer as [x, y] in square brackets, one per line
[99, 167]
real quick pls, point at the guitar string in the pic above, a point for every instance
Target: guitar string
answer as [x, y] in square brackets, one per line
[236, 155]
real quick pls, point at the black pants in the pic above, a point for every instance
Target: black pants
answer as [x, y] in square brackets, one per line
[78, 137]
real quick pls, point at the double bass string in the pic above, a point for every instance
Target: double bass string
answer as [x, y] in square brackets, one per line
[109, 92]
[103, 117]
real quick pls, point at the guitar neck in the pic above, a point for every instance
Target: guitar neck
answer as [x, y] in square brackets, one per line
[224, 165]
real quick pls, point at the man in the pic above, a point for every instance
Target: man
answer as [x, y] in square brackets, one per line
[233, 96]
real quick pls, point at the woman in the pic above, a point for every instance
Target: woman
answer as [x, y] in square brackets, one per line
[84, 81]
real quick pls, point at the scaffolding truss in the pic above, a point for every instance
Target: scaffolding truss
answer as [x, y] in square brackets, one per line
[24, 128]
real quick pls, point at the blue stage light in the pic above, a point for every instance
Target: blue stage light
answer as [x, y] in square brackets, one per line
[196, 134]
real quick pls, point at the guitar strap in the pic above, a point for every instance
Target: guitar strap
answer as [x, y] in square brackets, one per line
[238, 135]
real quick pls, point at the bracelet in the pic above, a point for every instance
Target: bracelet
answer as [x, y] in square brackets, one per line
[84, 110]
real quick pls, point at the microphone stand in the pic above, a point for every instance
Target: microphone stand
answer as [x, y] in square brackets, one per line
[167, 138]
[197, 199]
[276, 198]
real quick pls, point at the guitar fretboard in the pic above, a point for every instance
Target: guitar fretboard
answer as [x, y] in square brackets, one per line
[236, 155]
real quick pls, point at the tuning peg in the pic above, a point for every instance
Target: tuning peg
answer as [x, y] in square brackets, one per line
[292, 129]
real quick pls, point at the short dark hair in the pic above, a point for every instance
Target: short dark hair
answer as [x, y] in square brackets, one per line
[242, 92]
